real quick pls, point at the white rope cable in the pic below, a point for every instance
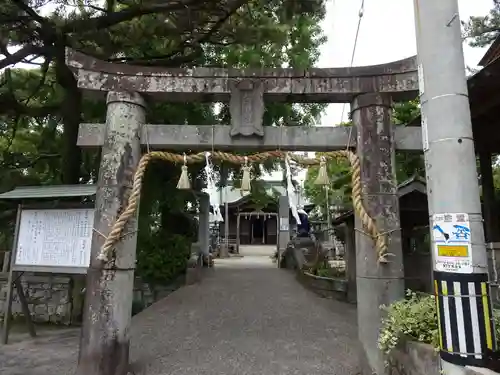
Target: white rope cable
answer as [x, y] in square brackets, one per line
[360, 17]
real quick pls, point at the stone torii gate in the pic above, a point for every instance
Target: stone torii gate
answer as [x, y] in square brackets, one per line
[370, 90]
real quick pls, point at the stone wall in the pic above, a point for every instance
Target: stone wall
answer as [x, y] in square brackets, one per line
[413, 358]
[325, 287]
[50, 297]
[146, 294]
[470, 370]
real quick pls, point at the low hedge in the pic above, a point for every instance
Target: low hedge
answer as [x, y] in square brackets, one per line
[416, 318]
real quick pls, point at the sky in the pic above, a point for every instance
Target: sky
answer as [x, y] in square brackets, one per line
[387, 33]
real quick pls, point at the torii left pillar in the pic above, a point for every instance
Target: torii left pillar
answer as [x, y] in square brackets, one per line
[104, 344]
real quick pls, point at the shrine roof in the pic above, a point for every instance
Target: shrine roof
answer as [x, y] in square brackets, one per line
[50, 191]
[484, 102]
[492, 54]
[415, 184]
[233, 195]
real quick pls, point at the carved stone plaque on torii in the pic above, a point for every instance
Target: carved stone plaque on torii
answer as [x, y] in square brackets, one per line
[246, 91]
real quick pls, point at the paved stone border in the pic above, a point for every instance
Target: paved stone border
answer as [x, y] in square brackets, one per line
[50, 296]
[324, 286]
[414, 358]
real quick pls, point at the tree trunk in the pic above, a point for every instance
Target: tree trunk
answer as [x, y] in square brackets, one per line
[71, 161]
[71, 110]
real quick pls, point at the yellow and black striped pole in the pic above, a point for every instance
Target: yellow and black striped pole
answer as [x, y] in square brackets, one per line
[465, 321]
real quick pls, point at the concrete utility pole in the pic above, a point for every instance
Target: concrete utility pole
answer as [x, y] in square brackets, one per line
[459, 253]
[104, 344]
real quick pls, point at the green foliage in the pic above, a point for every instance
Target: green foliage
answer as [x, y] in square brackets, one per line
[332, 272]
[261, 196]
[407, 165]
[41, 108]
[481, 31]
[339, 189]
[496, 172]
[161, 258]
[415, 318]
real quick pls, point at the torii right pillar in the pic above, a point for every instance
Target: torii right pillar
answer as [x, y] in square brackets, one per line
[377, 284]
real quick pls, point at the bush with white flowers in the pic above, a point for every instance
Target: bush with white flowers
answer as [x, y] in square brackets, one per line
[415, 318]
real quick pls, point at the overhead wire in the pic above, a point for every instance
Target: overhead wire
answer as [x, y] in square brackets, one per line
[360, 18]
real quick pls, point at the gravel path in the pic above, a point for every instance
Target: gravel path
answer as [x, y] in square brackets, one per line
[246, 317]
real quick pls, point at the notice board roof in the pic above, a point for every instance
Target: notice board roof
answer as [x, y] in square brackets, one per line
[50, 191]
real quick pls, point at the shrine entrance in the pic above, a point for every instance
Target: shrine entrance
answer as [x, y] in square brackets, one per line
[368, 145]
[256, 228]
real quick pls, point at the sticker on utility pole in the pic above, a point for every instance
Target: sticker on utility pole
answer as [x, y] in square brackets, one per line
[425, 134]
[420, 71]
[284, 224]
[452, 243]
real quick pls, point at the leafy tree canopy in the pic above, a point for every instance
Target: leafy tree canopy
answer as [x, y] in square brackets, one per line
[339, 189]
[481, 31]
[41, 108]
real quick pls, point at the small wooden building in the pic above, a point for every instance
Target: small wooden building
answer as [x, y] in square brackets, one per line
[257, 226]
[414, 235]
[258, 223]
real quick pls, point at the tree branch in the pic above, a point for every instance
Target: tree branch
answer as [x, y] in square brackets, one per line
[114, 18]
[177, 57]
[20, 55]
[10, 106]
[45, 69]
[21, 4]
[19, 161]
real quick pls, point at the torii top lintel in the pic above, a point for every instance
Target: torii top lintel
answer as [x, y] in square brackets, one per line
[315, 85]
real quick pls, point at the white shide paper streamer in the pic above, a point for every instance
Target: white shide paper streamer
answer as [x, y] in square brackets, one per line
[212, 189]
[290, 190]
